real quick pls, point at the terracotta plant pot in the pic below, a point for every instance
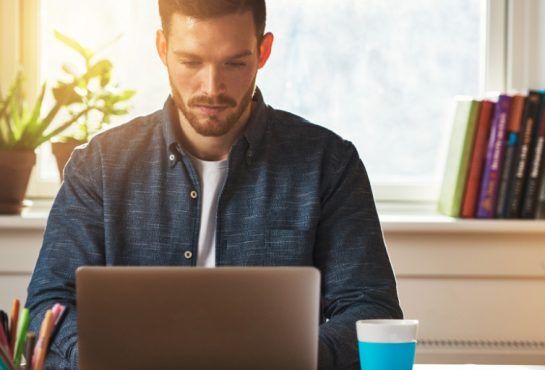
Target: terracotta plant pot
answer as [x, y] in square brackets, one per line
[15, 168]
[62, 152]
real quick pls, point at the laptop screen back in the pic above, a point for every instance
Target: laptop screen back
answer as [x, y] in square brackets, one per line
[197, 318]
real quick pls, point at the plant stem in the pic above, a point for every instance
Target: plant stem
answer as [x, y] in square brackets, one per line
[64, 126]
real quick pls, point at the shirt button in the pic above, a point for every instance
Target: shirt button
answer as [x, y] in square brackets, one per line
[193, 194]
[172, 157]
[188, 255]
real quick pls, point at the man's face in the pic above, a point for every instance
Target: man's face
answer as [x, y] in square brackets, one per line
[212, 66]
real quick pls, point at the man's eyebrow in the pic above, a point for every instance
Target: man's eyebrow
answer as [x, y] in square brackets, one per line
[243, 54]
[185, 54]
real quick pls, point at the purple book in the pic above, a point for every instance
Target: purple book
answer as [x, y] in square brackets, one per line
[494, 158]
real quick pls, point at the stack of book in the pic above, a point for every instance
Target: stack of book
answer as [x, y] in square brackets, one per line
[496, 163]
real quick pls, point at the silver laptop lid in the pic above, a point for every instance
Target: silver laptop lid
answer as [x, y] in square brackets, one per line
[198, 318]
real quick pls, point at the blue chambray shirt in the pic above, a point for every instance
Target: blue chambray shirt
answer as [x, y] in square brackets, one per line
[296, 194]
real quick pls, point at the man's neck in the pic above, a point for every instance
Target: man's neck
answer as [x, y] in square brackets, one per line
[211, 148]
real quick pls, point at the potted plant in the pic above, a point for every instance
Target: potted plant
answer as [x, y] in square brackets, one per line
[95, 90]
[22, 130]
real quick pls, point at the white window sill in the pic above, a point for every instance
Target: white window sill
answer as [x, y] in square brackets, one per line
[395, 217]
[423, 217]
[33, 216]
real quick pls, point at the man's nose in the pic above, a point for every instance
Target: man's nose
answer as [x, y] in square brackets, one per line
[213, 83]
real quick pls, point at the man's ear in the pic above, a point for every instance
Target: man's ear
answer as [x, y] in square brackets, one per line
[161, 44]
[265, 49]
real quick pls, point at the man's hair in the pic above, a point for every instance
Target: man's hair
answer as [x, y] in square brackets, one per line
[206, 9]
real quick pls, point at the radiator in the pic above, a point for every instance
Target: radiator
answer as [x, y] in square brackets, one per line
[451, 351]
[477, 320]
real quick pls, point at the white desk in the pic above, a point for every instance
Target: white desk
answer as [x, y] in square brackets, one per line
[477, 367]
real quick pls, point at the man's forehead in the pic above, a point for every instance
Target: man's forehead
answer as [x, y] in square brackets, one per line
[244, 19]
[190, 21]
[231, 34]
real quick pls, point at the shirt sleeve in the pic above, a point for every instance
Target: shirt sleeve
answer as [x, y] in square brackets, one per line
[357, 278]
[74, 236]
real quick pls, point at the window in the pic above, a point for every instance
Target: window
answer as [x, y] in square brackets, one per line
[381, 73]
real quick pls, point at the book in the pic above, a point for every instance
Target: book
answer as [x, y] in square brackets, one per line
[522, 155]
[459, 150]
[531, 191]
[540, 208]
[476, 162]
[494, 158]
[513, 132]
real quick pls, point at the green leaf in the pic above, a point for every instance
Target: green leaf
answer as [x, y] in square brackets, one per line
[126, 95]
[105, 79]
[65, 94]
[3, 107]
[62, 127]
[32, 126]
[4, 136]
[74, 45]
[15, 117]
[119, 112]
[100, 68]
[69, 70]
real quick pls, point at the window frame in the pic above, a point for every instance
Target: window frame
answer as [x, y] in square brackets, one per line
[499, 33]
[20, 45]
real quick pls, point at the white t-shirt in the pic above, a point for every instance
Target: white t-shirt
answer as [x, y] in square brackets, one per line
[212, 175]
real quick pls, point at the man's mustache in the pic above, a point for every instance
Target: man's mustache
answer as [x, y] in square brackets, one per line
[217, 100]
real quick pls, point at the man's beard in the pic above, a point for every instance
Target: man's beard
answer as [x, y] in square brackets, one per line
[212, 125]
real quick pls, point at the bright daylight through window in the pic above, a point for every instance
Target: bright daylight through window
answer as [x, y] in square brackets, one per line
[381, 73]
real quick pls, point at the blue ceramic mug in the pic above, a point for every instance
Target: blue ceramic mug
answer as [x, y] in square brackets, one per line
[387, 344]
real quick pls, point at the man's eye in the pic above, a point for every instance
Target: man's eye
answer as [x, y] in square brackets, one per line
[236, 64]
[190, 63]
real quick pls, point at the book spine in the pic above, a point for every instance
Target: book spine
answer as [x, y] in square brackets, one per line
[513, 133]
[459, 151]
[540, 211]
[478, 155]
[529, 203]
[494, 159]
[519, 174]
[502, 204]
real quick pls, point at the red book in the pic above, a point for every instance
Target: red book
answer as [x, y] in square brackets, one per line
[477, 159]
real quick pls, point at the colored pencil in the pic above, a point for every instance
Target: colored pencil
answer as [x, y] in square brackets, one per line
[5, 359]
[13, 325]
[4, 322]
[41, 347]
[21, 336]
[29, 348]
[4, 340]
[59, 312]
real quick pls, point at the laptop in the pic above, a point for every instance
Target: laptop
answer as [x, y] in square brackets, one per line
[238, 318]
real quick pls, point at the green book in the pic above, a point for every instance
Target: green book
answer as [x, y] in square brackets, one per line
[458, 155]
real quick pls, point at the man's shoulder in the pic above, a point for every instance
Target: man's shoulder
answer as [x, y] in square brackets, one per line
[283, 120]
[125, 141]
[138, 128]
[297, 130]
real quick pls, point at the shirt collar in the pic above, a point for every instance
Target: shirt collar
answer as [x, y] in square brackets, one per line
[255, 128]
[253, 132]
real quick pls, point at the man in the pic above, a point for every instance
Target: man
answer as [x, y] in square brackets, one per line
[219, 178]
